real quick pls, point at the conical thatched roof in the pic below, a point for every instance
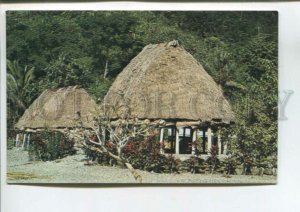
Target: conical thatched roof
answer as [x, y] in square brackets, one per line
[164, 81]
[59, 108]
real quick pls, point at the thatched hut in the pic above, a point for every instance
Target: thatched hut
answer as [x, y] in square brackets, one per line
[59, 108]
[164, 82]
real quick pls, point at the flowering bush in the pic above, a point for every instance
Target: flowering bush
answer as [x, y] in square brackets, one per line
[213, 160]
[143, 154]
[48, 145]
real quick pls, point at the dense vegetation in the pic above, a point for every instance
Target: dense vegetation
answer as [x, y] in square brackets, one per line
[61, 48]
[49, 145]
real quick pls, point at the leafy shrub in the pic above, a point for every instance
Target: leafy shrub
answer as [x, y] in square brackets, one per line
[230, 165]
[143, 154]
[269, 162]
[100, 157]
[247, 165]
[213, 161]
[10, 143]
[246, 161]
[49, 145]
[193, 165]
[11, 136]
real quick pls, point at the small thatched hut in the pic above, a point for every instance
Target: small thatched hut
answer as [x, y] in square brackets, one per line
[165, 82]
[59, 108]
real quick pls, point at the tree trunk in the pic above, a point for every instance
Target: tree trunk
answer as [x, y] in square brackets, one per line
[106, 69]
[136, 176]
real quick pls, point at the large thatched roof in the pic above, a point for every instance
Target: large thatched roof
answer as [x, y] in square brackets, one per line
[164, 81]
[59, 108]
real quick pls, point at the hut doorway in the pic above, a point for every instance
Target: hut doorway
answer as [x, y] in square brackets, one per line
[185, 140]
[168, 139]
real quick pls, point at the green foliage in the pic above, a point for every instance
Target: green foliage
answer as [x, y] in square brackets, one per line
[213, 161]
[49, 145]
[192, 165]
[99, 88]
[257, 108]
[141, 154]
[10, 143]
[18, 80]
[145, 155]
[11, 136]
[66, 71]
[230, 165]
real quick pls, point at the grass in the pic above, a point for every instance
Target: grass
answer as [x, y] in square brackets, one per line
[20, 176]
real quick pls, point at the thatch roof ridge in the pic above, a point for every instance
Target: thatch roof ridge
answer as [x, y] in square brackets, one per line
[59, 108]
[166, 82]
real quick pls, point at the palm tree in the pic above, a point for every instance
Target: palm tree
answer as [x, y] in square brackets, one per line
[18, 79]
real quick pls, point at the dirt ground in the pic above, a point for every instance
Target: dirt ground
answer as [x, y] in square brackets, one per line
[72, 170]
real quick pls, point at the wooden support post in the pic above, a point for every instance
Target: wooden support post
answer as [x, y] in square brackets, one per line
[194, 141]
[24, 140]
[177, 141]
[28, 140]
[161, 140]
[209, 139]
[173, 136]
[219, 143]
[17, 140]
[204, 141]
[225, 148]
[106, 69]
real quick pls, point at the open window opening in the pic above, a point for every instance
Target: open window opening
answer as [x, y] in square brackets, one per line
[169, 139]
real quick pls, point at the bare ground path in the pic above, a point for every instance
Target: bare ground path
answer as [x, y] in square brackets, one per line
[72, 170]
